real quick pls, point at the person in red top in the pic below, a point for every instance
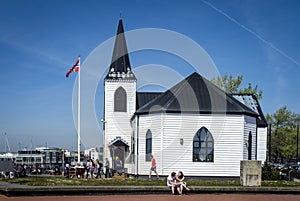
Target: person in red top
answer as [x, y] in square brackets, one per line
[153, 167]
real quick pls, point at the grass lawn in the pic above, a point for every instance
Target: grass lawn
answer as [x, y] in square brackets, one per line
[61, 181]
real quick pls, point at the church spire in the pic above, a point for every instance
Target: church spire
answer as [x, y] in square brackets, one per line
[120, 65]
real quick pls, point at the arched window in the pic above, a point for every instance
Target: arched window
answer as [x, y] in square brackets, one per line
[120, 101]
[250, 146]
[203, 146]
[148, 145]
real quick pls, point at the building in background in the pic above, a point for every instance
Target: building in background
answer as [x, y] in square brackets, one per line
[47, 158]
[94, 153]
[42, 158]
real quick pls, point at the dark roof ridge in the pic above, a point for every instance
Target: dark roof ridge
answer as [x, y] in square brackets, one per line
[184, 83]
[153, 99]
[229, 96]
[216, 101]
[151, 92]
[120, 67]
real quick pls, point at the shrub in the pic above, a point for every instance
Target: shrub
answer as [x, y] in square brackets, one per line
[268, 173]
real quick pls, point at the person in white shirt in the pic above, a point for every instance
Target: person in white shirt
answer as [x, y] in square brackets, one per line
[87, 168]
[171, 182]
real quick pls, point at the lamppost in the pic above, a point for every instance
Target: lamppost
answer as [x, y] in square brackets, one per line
[270, 141]
[104, 138]
[297, 141]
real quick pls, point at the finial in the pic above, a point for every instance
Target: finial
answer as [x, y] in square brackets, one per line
[120, 14]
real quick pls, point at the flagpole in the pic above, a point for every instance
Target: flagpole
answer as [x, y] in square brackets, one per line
[78, 112]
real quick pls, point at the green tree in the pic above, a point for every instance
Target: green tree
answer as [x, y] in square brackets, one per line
[283, 145]
[250, 90]
[232, 85]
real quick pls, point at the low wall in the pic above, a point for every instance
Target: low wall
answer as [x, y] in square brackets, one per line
[250, 174]
[6, 166]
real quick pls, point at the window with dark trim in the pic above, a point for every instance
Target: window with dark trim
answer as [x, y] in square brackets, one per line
[250, 146]
[203, 146]
[120, 100]
[148, 145]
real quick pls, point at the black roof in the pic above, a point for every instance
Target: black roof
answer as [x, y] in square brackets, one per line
[144, 97]
[120, 67]
[250, 100]
[195, 94]
[118, 141]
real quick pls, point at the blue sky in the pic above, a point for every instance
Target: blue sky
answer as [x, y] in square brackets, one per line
[40, 40]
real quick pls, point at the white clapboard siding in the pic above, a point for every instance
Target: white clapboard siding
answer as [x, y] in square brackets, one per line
[217, 125]
[167, 130]
[152, 122]
[118, 123]
[262, 144]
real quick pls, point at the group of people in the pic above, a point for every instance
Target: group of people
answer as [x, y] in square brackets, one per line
[176, 183]
[21, 170]
[95, 168]
[91, 168]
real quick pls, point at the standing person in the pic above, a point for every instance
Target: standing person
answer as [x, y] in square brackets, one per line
[67, 170]
[92, 168]
[87, 168]
[153, 167]
[19, 170]
[107, 174]
[24, 170]
[99, 167]
[118, 166]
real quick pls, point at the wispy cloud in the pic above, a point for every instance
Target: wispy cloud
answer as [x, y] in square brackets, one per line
[268, 43]
[34, 51]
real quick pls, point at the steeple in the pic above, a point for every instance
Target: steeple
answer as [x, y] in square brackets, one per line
[120, 65]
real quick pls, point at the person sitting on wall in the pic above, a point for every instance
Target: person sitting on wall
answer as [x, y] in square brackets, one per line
[181, 183]
[171, 182]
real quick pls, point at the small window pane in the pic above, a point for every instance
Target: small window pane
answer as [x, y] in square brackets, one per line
[202, 157]
[209, 138]
[203, 136]
[210, 158]
[202, 151]
[196, 150]
[209, 150]
[209, 144]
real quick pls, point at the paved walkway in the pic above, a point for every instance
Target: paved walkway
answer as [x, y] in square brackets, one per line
[22, 190]
[161, 197]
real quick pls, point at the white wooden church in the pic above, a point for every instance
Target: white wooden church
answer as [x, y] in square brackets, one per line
[194, 126]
